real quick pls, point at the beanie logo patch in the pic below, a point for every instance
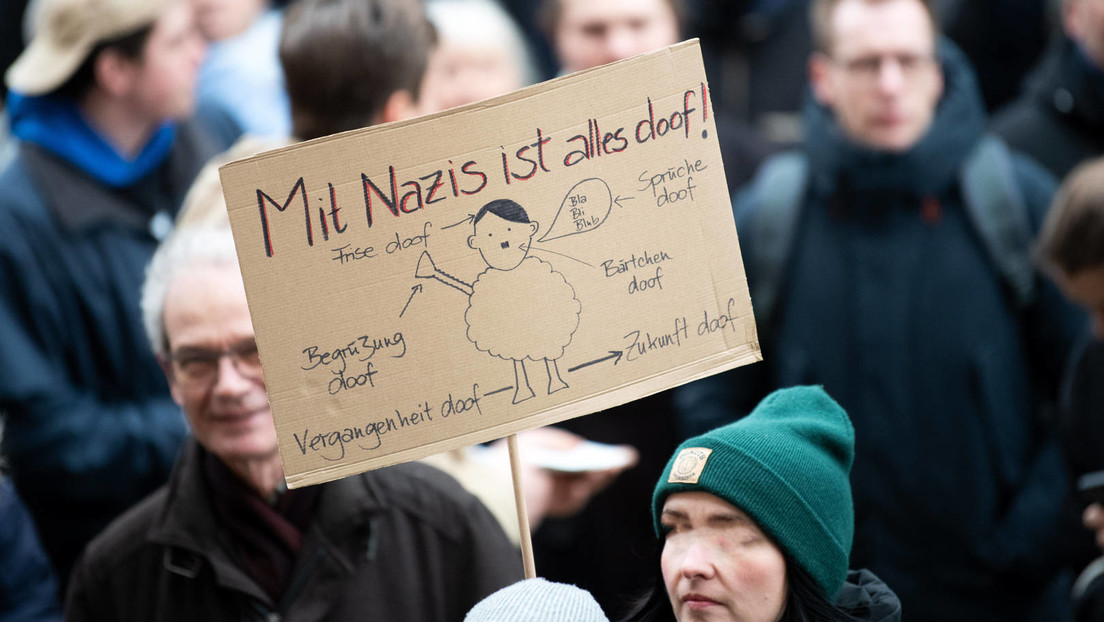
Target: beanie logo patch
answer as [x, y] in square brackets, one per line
[689, 465]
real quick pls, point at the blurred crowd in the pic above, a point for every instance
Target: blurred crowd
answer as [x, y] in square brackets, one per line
[918, 189]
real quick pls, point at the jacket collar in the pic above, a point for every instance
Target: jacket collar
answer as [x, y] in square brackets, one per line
[58, 125]
[79, 202]
[344, 531]
[1067, 83]
[187, 524]
[867, 598]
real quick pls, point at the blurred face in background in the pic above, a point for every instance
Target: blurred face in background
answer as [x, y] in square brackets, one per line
[1084, 23]
[460, 74]
[880, 75]
[160, 84]
[480, 53]
[589, 33]
[222, 19]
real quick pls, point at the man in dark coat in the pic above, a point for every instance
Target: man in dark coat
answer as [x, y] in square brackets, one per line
[225, 539]
[1059, 118]
[891, 300]
[99, 102]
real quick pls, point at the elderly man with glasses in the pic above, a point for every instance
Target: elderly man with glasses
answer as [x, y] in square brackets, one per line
[225, 539]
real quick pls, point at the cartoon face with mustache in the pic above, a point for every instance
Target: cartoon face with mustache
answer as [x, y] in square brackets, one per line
[503, 233]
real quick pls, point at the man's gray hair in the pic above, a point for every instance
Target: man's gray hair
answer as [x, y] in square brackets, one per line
[187, 247]
[483, 23]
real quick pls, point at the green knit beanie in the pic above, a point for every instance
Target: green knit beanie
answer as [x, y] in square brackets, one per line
[787, 466]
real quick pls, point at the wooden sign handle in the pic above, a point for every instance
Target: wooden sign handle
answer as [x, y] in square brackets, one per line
[519, 501]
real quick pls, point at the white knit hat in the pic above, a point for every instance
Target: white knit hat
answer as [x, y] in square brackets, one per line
[537, 600]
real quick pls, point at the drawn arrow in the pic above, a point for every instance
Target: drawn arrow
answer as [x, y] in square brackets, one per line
[499, 390]
[620, 198]
[613, 354]
[413, 290]
[470, 218]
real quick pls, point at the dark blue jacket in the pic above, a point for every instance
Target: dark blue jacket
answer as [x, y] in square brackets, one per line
[90, 426]
[892, 303]
[28, 590]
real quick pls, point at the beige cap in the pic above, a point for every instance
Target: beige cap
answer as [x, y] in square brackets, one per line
[67, 30]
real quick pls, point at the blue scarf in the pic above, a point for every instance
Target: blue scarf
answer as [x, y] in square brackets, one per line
[56, 124]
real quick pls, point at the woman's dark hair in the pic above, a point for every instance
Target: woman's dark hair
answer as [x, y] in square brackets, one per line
[804, 600]
[130, 46]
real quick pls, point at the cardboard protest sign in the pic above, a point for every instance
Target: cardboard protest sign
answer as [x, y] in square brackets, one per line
[426, 285]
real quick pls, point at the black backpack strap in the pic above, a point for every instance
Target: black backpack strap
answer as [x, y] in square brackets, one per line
[997, 209]
[772, 226]
[993, 201]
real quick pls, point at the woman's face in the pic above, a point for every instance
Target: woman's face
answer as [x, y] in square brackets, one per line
[717, 564]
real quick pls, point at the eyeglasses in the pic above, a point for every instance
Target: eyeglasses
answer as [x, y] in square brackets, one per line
[868, 68]
[200, 367]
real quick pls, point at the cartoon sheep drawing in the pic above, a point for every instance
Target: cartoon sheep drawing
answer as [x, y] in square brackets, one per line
[502, 320]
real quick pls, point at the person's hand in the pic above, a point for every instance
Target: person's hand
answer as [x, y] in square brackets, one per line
[556, 493]
[1093, 518]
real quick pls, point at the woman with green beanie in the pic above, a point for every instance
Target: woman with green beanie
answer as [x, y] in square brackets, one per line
[755, 522]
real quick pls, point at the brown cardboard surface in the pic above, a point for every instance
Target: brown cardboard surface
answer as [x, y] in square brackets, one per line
[386, 335]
